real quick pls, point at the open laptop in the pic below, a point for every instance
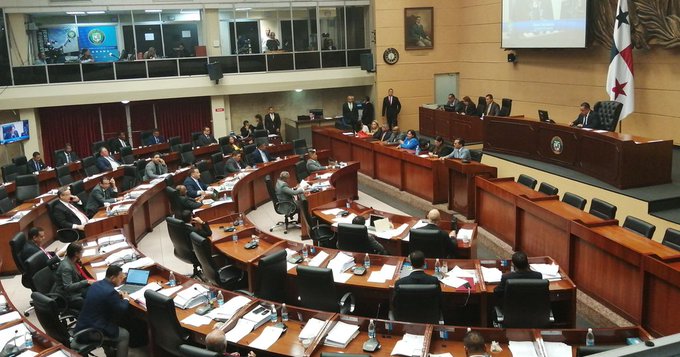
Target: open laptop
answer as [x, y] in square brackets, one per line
[544, 117]
[371, 222]
[136, 279]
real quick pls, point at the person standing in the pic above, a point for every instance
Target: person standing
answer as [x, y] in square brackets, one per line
[368, 113]
[272, 122]
[391, 108]
[350, 113]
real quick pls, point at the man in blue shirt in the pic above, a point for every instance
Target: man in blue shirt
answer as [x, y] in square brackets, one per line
[459, 151]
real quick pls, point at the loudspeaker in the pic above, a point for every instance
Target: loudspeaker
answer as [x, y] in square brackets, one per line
[366, 60]
[215, 72]
[512, 58]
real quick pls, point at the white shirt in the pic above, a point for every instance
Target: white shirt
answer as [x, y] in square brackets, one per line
[122, 143]
[81, 216]
[264, 157]
[114, 164]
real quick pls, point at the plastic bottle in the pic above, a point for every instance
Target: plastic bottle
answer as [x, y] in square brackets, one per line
[444, 333]
[367, 261]
[273, 317]
[371, 329]
[284, 313]
[312, 249]
[28, 340]
[305, 252]
[348, 204]
[437, 267]
[108, 210]
[220, 298]
[590, 338]
[418, 150]
[171, 279]
[234, 238]
[240, 218]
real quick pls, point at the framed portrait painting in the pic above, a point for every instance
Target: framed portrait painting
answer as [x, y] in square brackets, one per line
[419, 28]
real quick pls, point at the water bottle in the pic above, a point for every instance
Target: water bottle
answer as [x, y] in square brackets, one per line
[444, 333]
[371, 329]
[273, 317]
[437, 267]
[348, 204]
[108, 210]
[28, 340]
[220, 298]
[305, 253]
[418, 150]
[367, 261]
[284, 313]
[234, 238]
[240, 218]
[444, 268]
[312, 249]
[171, 279]
[590, 338]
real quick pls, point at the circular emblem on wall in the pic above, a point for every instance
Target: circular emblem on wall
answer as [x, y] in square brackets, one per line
[71, 34]
[556, 145]
[391, 55]
[96, 37]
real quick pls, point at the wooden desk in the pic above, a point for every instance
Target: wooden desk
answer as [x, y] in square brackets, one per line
[450, 125]
[661, 293]
[462, 184]
[620, 160]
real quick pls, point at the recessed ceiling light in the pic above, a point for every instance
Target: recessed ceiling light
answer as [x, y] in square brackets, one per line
[298, 90]
[96, 12]
[153, 11]
[125, 101]
[75, 12]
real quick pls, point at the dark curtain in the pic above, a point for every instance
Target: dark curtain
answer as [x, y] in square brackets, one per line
[78, 125]
[141, 119]
[181, 117]
[113, 119]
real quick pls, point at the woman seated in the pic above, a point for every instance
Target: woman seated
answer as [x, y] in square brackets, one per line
[469, 107]
[410, 142]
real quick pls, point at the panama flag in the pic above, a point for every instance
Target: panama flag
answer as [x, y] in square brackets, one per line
[620, 76]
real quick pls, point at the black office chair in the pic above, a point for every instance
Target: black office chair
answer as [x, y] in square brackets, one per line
[316, 290]
[64, 235]
[247, 151]
[173, 197]
[582, 351]
[27, 188]
[408, 303]
[609, 112]
[227, 277]
[186, 155]
[140, 167]
[506, 107]
[9, 172]
[60, 327]
[194, 137]
[527, 181]
[78, 190]
[270, 283]
[639, 226]
[285, 208]
[175, 143]
[300, 147]
[526, 304]
[548, 189]
[475, 155]
[90, 166]
[219, 165]
[162, 319]
[183, 250]
[55, 155]
[144, 135]
[64, 175]
[96, 146]
[126, 155]
[322, 234]
[354, 238]
[16, 245]
[259, 133]
[6, 203]
[204, 169]
[223, 140]
[226, 149]
[112, 144]
[671, 238]
[129, 179]
[602, 209]
[192, 351]
[169, 180]
[574, 200]
[301, 170]
[428, 242]
[22, 165]
[481, 105]
[40, 272]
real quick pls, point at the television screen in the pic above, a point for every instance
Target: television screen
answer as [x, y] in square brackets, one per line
[14, 131]
[544, 23]
[100, 40]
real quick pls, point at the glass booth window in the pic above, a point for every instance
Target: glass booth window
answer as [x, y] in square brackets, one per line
[304, 32]
[332, 26]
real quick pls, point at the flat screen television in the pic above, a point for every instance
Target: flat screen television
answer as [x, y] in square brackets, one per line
[14, 131]
[544, 24]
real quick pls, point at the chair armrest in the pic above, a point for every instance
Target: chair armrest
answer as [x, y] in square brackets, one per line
[324, 233]
[347, 303]
[499, 314]
[92, 334]
[70, 234]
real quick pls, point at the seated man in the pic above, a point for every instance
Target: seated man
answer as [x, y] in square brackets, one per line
[439, 149]
[155, 168]
[522, 271]
[120, 142]
[33, 245]
[448, 239]
[195, 187]
[418, 275]
[68, 212]
[206, 138]
[70, 279]
[313, 164]
[396, 135]
[284, 193]
[474, 344]
[186, 202]
[36, 164]
[105, 162]
[104, 305]
[587, 119]
[195, 224]
[260, 154]
[67, 156]
[105, 192]
[459, 151]
[215, 341]
[155, 138]
[492, 108]
[234, 163]
[375, 245]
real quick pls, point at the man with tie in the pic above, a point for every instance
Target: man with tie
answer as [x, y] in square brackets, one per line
[105, 162]
[234, 163]
[272, 122]
[350, 114]
[206, 139]
[391, 108]
[155, 168]
[587, 119]
[36, 164]
[459, 151]
[417, 275]
[155, 138]
[34, 244]
[492, 108]
[195, 187]
[260, 154]
[120, 142]
[67, 156]
[313, 163]
[452, 104]
[68, 212]
[105, 192]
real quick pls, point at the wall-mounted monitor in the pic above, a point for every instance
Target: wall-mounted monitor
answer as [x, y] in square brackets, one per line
[544, 23]
[14, 131]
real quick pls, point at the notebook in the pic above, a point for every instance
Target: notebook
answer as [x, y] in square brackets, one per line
[136, 279]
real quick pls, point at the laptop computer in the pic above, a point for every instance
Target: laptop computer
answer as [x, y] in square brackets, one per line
[544, 117]
[370, 225]
[136, 279]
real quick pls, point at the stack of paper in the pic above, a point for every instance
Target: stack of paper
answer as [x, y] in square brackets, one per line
[341, 262]
[318, 259]
[267, 338]
[196, 320]
[242, 328]
[171, 291]
[110, 239]
[522, 348]
[303, 184]
[332, 211]
[229, 308]
[119, 209]
[139, 294]
[347, 219]
[138, 264]
[9, 317]
[145, 186]
[491, 275]
[557, 349]
[111, 247]
[191, 296]
[454, 282]
[385, 273]
[388, 234]
[409, 345]
[341, 335]
[120, 255]
[321, 185]
[325, 176]
[463, 273]
[259, 315]
[464, 234]
[549, 271]
[311, 329]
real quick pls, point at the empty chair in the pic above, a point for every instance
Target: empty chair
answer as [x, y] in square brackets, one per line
[408, 305]
[527, 181]
[9, 172]
[129, 179]
[301, 170]
[300, 147]
[475, 155]
[481, 105]
[22, 164]
[40, 272]
[548, 189]
[609, 112]
[219, 165]
[173, 197]
[285, 208]
[183, 250]
[259, 133]
[165, 328]
[428, 242]
[354, 238]
[140, 166]
[316, 290]
[639, 226]
[175, 143]
[192, 351]
[223, 141]
[6, 203]
[270, 283]
[96, 146]
[582, 351]
[78, 189]
[247, 150]
[226, 277]
[27, 187]
[574, 200]
[526, 304]
[186, 155]
[194, 137]
[126, 156]
[506, 107]
[90, 166]
[144, 136]
[64, 235]
[64, 175]
[671, 238]
[322, 234]
[602, 209]
[55, 155]
[113, 144]
[204, 169]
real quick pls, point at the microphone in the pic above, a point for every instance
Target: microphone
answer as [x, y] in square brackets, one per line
[114, 56]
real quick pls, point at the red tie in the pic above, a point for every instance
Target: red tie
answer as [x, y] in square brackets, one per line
[82, 272]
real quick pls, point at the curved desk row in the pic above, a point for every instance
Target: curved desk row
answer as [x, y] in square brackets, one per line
[433, 122]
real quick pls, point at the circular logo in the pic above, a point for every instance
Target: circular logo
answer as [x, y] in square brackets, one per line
[556, 145]
[96, 37]
[391, 56]
[71, 34]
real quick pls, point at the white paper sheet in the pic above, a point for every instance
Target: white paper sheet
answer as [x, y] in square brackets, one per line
[522, 348]
[311, 329]
[242, 328]
[341, 334]
[557, 349]
[139, 263]
[196, 320]
[10, 316]
[549, 271]
[409, 345]
[491, 275]
[110, 248]
[229, 308]
[169, 291]
[267, 338]
[100, 275]
[341, 277]
[453, 281]
[332, 211]
[290, 266]
[318, 259]
[139, 294]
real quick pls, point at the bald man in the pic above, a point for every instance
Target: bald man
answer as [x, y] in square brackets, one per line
[448, 240]
[215, 341]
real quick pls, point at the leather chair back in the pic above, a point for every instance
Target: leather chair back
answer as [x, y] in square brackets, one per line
[300, 147]
[574, 200]
[96, 146]
[16, 245]
[186, 154]
[301, 170]
[247, 151]
[582, 351]
[609, 112]
[63, 235]
[179, 235]
[6, 203]
[475, 155]
[140, 166]
[219, 165]
[602, 209]
[47, 312]
[78, 189]
[27, 187]
[223, 140]
[526, 303]
[527, 181]
[64, 175]
[130, 178]
[55, 155]
[428, 242]
[21, 162]
[32, 266]
[204, 169]
[192, 351]
[90, 166]
[203, 250]
[143, 136]
[173, 197]
[548, 189]
[408, 303]
[671, 238]
[175, 143]
[126, 155]
[316, 288]
[162, 319]
[326, 240]
[9, 172]
[481, 105]
[194, 137]
[353, 238]
[639, 226]
[506, 106]
[271, 277]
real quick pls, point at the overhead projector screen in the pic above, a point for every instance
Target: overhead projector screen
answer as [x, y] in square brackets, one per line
[544, 24]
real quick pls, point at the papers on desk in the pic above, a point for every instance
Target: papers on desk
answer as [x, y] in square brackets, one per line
[27, 353]
[340, 219]
[99, 264]
[325, 176]
[145, 186]
[90, 252]
[242, 328]
[463, 273]
[110, 248]
[196, 320]
[9, 317]
[523, 348]
[341, 335]
[139, 294]
[100, 275]
[267, 338]
[311, 329]
[229, 308]
[258, 315]
[549, 271]
[18, 331]
[138, 264]
[557, 349]
[118, 256]
[170, 291]
[491, 275]
[349, 133]
[17, 216]
[110, 239]
[420, 224]
[191, 297]
[332, 211]
[390, 233]
[318, 259]
[120, 209]
[409, 345]
[341, 262]
[385, 273]
[453, 281]
[207, 201]
[321, 185]
[464, 234]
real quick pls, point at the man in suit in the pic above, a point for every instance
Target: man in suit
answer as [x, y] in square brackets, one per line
[155, 138]
[33, 245]
[103, 306]
[350, 113]
[106, 162]
[459, 151]
[447, 240]
[247, 129]
[120, 142]
[522, 271]
[104, 192]
[313, 163]
[396, 136]
[186, 202]
[36, 164]
[418, 275]
[283, 191]
[492, 108]
[155, 168]
[587, 119]
[234, 163]
[70, 279]
[453, 104]
[385, 134]
[473, 342]
[67, 156]
[260, 154]
[195, 187]
[195, 224]
[272, 122]
[68, 212]
[368, 112]
[391, 108]
[206, 138]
